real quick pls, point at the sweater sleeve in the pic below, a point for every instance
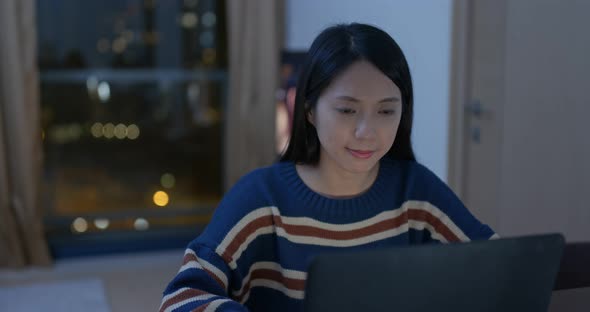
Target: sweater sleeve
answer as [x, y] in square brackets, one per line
[206, 278]
[450, 220]
[201, 284]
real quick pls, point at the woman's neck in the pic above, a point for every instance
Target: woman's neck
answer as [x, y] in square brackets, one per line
[334, 181]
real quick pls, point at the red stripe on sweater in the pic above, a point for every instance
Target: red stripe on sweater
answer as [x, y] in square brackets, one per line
[312, 231]
[190, 257]
[273, 275]
[183, 295]
[201, 308]
[240, 238]
[436, 223]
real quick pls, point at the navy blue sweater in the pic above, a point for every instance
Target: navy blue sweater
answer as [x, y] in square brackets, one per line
[254, 253]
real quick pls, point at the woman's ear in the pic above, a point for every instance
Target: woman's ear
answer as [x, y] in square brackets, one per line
[310, 117]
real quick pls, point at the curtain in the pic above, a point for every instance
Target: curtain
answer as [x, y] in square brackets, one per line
[22, 241]
[255, 33]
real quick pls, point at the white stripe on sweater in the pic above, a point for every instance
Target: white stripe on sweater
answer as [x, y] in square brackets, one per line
[439, 214]
[267, 265]
[229, 237]
[420, 225]
[186, 301]
[215, 304]
[200, 264]
[296, 294]
[304, 221]
[173, 294]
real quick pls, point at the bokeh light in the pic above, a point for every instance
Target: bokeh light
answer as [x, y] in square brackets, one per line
[79, 225]
[167, 180]
[161, 198]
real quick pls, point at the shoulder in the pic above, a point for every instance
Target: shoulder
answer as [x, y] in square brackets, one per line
[418, 183]
[428, 186]
[420, 173]
[248, 199]
[255, 181]
[413, 174]
[437, 205]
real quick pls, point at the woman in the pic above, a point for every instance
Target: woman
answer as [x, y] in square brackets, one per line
[348, 180]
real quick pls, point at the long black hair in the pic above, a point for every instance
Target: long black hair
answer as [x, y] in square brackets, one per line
[333, 50]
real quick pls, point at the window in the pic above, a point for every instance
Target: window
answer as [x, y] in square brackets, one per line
[133, 96]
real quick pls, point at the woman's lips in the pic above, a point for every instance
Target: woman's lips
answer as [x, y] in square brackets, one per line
[361, 154]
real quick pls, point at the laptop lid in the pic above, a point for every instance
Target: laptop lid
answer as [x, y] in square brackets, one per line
[510, 274]
[574, 271]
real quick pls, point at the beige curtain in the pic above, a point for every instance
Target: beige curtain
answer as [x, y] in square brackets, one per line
[22, 241]
[255, 33]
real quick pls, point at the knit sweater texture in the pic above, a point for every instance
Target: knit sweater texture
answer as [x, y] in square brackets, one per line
[254, 253]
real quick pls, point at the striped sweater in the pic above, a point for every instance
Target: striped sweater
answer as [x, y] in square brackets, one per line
[254, 253]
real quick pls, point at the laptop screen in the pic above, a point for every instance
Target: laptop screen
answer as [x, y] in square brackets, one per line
[510, 274]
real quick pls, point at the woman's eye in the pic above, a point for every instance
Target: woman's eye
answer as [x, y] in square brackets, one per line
[346, 110]
[387, 112]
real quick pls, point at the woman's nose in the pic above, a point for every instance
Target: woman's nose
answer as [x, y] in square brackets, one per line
[364, 129]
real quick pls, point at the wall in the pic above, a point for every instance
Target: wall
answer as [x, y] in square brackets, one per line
[423, 31]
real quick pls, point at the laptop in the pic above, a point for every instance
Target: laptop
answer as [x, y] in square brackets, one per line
[510, 274]
[574, 271]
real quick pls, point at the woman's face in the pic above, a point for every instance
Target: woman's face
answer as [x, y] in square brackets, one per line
[356, 118]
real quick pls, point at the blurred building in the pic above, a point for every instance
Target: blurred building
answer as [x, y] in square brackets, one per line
[132, 100]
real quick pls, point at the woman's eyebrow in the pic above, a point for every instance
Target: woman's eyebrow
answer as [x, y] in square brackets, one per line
[355, 100]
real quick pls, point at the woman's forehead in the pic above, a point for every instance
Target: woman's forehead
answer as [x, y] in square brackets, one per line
[362, 80]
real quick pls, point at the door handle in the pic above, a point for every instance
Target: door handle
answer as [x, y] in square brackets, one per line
[476, 110]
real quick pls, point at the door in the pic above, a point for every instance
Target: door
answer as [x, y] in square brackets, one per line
[525, 125]
[520, 119]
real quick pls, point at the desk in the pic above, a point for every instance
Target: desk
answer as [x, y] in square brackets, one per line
[574, 271]
[572, 286]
